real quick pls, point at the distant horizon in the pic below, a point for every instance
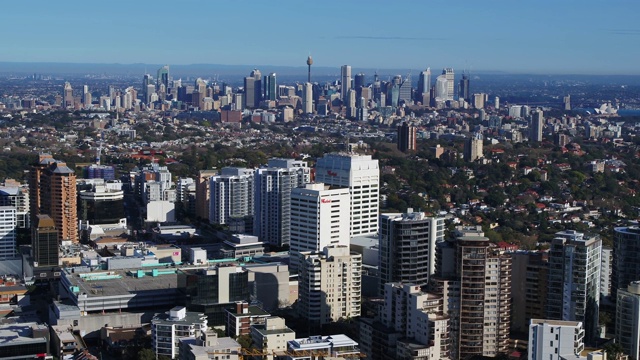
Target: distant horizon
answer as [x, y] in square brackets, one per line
[152, 67]
[516, 37]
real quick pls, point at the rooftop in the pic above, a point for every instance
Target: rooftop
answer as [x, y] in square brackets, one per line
[13, 334]
[119, 282]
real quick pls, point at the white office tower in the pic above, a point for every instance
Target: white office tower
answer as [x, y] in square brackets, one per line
[361, 175]
[442, 88]
[628, 320]
[407, 247]
[273, 184]
[555, 340]
[8, 224]
[307, 98]
[319, 218]
[448, 73]
[231, 195]
[345, 82]
[417, 317]
[330, 286]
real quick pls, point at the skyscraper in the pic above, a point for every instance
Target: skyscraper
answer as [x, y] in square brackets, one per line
[441, 88]
[68, 101]
[407, 247]
[345, 82]
[424, 84]
[464, 92]
[44, 242]
[249, 92]
[537, 123]
[8, 225]
[358, 84]
[626, 252]
[257, 97]
[307, 98]
[475, 279]
[473, 147]
[319, 218]
[627, 329]
[361, 175]
[274, 184]
[449, 75]
[330, 285]
[574, 280]
[270, 87]
[52, 191]
[231, 195]
[163, 77]
[406, 137]
[146, 81]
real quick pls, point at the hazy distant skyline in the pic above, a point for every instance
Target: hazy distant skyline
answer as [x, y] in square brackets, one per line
[569, 36]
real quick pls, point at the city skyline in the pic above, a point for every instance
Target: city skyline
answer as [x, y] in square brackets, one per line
[540, 37]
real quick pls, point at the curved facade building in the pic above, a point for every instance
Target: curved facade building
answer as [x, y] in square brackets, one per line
[101, 205]
[626, 251]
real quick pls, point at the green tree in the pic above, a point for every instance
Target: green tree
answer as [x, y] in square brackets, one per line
[245, 341]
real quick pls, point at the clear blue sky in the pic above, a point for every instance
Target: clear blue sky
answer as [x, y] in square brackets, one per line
[554, 36]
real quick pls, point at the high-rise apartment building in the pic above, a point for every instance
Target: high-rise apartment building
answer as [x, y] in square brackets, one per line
[528, 288]
[407, 247]
[231, 195]
[474, 278]
[8, 225]
[361, 175]
[416, 319]
[273, 185]
[319, 218]
[330, 285]
[555, 340]
[626, 252]
[449, 75]
[167, 328]
[202, 193]
[52, 191]
[537, 124]
[574, 280]
[473, 147]
[406, 137]
[627, 329]
[345, 82]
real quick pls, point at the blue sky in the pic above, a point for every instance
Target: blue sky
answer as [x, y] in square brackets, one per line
[520, 36]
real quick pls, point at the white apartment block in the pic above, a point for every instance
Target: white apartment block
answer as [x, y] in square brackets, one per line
[553, 339]
[231, 195]
[272, 336]
[8, 224]
[330, 285]
[273, 185]
[361, 175]
[418, 317]
[167, 328]
[319, 218]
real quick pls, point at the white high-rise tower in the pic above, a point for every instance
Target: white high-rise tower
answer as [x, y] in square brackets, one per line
[361, 175]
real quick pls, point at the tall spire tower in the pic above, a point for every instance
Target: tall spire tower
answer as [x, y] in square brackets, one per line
[309, 63]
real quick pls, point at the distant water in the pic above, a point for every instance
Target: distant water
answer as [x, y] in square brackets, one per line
[622, 112]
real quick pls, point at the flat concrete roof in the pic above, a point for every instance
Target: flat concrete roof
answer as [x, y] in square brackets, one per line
[124, 285]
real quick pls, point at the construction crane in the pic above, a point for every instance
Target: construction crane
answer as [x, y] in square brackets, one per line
[265, 355]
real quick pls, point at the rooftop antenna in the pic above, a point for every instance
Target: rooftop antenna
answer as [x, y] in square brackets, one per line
[99, 153]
